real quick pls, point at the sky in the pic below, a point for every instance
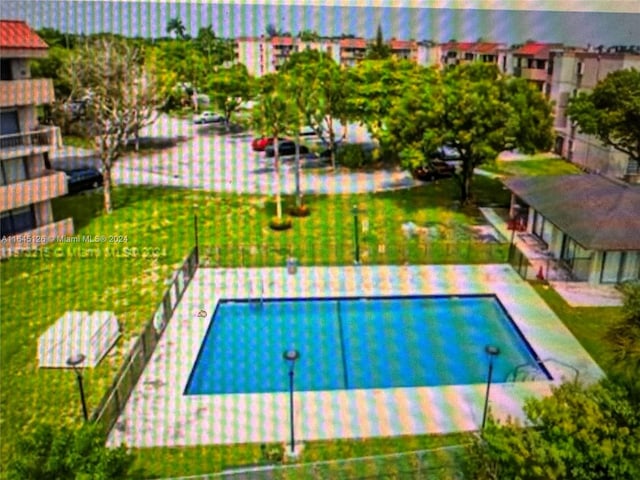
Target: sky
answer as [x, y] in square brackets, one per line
[574, 22]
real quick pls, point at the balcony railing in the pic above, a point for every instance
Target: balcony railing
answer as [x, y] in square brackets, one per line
[538, 74]
[29, 143]
[16, 244]
[50, 184]
[30, 91]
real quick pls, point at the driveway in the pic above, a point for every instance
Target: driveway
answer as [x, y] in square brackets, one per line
[213, 160]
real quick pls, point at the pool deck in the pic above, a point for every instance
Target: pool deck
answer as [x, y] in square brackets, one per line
[158, 414]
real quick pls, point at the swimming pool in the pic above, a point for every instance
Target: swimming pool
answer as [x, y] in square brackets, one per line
[357, 343]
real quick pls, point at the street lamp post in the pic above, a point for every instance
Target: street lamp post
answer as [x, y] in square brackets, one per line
[355, 212]
[75, 361]
[492, 351]
[195, 233]
[290, 357]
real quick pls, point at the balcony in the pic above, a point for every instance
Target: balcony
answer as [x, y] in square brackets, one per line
[536, 74]
[39, 236]
[32, 91]
[51, 184]
[32, 143]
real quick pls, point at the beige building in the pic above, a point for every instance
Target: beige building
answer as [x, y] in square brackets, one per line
[26, 184]
[581, 71]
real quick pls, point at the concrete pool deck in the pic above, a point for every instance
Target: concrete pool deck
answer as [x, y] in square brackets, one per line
[158, 414]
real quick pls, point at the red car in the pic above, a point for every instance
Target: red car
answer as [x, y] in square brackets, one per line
[260, 144]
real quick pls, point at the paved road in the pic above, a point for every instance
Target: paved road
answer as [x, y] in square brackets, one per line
[220, 162]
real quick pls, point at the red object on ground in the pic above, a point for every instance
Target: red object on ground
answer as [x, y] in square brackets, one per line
[259, 144]
[540, 275]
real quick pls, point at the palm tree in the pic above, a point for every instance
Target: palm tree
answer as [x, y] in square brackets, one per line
[176, 26]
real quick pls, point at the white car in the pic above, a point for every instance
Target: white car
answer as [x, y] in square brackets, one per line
[208, 117]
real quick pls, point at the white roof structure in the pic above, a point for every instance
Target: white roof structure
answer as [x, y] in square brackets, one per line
[90, 334]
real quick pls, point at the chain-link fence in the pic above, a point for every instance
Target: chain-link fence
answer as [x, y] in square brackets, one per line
[116, 397]
[367, 253]
[446, 463]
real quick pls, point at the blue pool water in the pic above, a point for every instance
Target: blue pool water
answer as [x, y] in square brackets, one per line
[356, 343]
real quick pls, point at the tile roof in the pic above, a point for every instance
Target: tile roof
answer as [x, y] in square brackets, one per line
[402, 44]
[597, 212]
[535, 49]
[353, 43]
[16, 34]
[282, 40]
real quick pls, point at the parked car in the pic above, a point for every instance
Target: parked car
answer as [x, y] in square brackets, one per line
[260, 143]
[433, 170]
[208, 117]
[307, 131]
[84, 178]
[446, 152]
[286, 147]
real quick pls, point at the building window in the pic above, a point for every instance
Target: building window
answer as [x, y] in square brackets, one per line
[17, 221]
[13, 171]
[5, 69]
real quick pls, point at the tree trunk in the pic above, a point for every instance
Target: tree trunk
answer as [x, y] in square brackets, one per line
[332, 142]
[276, 168]
[298, 193]
[465, 184]
[137, 135]
[106, 186]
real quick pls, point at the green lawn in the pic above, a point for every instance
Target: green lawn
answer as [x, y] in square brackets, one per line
[158, 227]
[209, 459]
[588, 324]
[534, 166]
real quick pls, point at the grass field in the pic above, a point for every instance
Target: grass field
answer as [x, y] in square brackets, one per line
[155, 229]
[534, 166]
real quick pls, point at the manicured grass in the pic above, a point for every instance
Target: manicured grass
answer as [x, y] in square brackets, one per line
[534, 166]
[588, 324]
[210, 459]
[158, 226]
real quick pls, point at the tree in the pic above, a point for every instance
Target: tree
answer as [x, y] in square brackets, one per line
[475, 110]
[272, 116]
[611, 111]
[377, 84]
[124, 95]
[308, 35]
[327, 92]
[586, 433]
[624, 339]
[60, 453]
[175, 25]
[378, 50]
[228, 88]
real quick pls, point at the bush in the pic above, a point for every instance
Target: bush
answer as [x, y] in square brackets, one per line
[352, 156]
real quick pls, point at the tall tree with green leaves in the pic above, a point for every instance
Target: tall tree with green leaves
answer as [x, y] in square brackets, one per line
[586, 433]
[624, 339]
[228, 88]
[273, 116]
[475, 110]
[125, 93]
[611, 111]
[328, 89]
[378, 49]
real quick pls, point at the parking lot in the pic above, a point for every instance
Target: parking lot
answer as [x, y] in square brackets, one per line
[210, 158]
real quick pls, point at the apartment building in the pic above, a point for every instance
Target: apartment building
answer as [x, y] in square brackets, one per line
[352, 51]
[456, 53]
[404, 49]
[27, 185]
[534, 62]
[577, 71]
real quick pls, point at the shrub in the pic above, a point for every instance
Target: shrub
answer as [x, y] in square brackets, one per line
[351, 156]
